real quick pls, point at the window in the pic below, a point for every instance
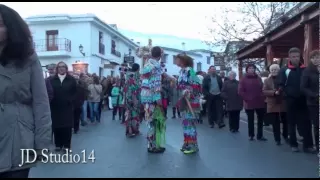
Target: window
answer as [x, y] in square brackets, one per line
[174, 59]
[208, 59]
[100, 71]
[100, 37]
[101, 45]
[113, 49]
[52, 40]
[164, 58]
[113, 45]
[199, 66]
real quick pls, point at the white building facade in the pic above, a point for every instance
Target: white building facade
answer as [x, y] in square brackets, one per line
[206, 61]
[202, 59]
[80, 39]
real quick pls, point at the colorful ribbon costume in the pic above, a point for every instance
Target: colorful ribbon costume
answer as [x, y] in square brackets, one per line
[190, 86]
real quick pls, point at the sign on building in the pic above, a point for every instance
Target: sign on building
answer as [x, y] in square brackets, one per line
[224, 68]
[128, 59]
[219, 61]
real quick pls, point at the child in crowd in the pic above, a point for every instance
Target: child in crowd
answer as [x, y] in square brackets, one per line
[175, 95]
[202, 101]
[117, 100]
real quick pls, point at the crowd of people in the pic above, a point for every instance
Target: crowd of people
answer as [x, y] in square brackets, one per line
[35, 110]
[282, 100]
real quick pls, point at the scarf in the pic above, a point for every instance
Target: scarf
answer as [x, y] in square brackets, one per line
[62, 77]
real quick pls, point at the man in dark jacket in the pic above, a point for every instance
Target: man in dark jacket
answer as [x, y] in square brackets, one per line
[310, 87]
[49, 89]
[211, 87]
[297, 111]
[224, 79]
[80, 96]
[223, 76]
[51, 71]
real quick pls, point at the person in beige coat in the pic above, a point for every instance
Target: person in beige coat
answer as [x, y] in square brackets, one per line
[275, 104]
[95, 90]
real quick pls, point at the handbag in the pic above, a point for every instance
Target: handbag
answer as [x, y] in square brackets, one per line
[110, 102]
[165, 103]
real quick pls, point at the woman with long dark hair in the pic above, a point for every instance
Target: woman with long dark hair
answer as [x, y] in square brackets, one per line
[62, 106]
[25, 121]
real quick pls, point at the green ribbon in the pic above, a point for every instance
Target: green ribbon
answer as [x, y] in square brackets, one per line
[192, 72]
[194, 76]
[160, 126]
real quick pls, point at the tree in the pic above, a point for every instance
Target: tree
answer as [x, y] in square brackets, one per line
[247, 22]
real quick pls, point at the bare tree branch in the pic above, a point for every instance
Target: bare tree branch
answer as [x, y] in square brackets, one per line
[250, 20]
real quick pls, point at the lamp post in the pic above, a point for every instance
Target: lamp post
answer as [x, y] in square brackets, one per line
[80, 66]
[81, 50]
[128, 59]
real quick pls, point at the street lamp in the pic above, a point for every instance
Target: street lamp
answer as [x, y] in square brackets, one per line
[81, 50]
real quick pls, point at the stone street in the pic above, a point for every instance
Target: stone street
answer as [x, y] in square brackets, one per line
[222, 154]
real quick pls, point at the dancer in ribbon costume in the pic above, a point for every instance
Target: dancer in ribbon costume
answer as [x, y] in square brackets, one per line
[151, 99]
[132, 94]
[190, 86]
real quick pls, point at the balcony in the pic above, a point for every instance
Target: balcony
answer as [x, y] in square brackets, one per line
[53, 47]
[102, 48]
[115, 52]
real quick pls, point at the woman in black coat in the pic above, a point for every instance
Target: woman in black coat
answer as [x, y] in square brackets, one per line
[64, 89]
[234, 102]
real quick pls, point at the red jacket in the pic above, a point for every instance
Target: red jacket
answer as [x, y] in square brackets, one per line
[250, 89]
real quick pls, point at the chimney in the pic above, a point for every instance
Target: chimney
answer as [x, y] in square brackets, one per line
[183, 46]
[131, 39]
[138, 43]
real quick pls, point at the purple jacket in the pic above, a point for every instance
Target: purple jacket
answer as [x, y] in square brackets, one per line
[49, 89]
[250, 89]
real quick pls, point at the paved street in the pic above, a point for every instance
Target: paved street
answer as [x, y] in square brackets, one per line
[222, 154]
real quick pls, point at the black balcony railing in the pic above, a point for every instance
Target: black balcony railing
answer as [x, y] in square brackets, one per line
[58, 44]
[115, 52]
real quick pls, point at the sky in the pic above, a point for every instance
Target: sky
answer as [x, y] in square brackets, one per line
[177, 21]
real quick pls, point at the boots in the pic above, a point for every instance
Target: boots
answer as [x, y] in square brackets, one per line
[174, 113]
[200, 121]
[178, 111]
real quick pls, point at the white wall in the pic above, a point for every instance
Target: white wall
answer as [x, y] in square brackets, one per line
[173, 69]
[70, 31]
[203, 60]
[122, 47]
[76, 32]
[86, 34]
